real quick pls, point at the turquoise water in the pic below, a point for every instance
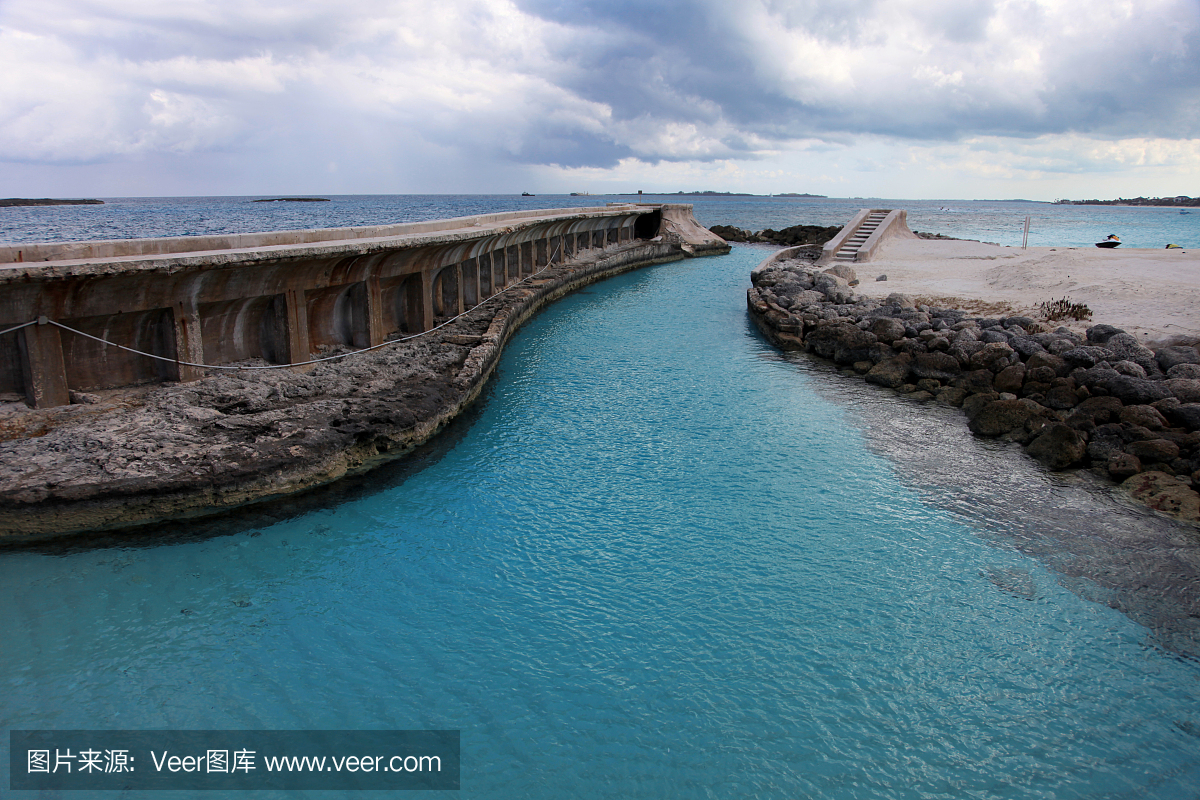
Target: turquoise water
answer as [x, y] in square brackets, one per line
[658, 560]
[986, 220]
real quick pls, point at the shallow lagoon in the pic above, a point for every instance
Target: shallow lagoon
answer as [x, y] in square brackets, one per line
[658, 559]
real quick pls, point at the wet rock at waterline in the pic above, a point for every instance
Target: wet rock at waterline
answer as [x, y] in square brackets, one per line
[1103, 400]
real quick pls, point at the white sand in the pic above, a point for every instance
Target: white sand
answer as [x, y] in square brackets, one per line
[1154, 294]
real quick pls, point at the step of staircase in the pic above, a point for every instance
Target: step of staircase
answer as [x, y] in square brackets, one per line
[850, 247]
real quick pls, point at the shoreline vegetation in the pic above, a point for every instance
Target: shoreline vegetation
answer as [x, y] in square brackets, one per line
[293, 200]
[13, 202]
[1101, 400]
[1182, 201]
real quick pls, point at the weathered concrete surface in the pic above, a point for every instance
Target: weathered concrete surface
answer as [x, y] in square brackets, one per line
[120, 458]
[278, 297]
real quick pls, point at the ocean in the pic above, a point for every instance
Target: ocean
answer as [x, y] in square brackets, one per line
[1001, 222]
[658, 558]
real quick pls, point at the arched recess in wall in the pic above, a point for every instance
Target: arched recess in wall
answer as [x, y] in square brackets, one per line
[646, 226]
[445, 292]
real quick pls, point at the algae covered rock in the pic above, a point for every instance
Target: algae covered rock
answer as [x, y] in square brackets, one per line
[1165, 493]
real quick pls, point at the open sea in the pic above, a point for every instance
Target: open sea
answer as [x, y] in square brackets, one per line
[658, 558]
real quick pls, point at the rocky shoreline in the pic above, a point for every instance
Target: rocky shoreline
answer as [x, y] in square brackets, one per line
[121, 459]
[1098, 400]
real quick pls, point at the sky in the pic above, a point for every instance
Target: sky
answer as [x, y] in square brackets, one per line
[919, 99]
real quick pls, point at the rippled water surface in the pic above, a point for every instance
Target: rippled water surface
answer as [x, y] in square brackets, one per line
[658, 560]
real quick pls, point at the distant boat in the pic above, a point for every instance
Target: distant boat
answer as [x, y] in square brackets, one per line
[527, 194]
[1185, 212]
[1111, 241]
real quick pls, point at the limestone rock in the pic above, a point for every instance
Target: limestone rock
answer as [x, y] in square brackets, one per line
[1057, 364]
[994, 356]
[1058, 446]
[938, 366]
[892, 373]
[1168, 357]
[1184, 371]
[1011, 378]
[1136, 391]
[1153, 450]
[1122, 465]
[1186, 389]
[887, 329]
[1001, 416]
[1099, 334]
[1165, 493]
[843, 271]
[1146, 416]
[1126, 347]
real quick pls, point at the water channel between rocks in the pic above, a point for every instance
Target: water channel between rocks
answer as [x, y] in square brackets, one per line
[661, 558]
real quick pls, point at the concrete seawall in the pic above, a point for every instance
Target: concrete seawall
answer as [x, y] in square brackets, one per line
[190, 449]
[277, 297]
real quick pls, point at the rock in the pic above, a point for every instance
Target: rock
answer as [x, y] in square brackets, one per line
[1126, 347]
[1153, 450]
[1186, 389]
[1025, 345]
[840, 342]
[891, 372]
[1058, 446]
[1187, 416]
[82, 398]
[903, 301]
[881, 278]
[1085, 356]
[843, 271]
[1130, 368]
[1191, 371]
[1099, 334]
[929, 385]
[1062, 397]
[1123, 465]
[1136, 391]
[1168, 357]
[1001, 416]
[1058, 364]
[994, 356]
[836, 289]
[938, 366]
[993, 335]
[1165, 493]
[975, 403]
[1146, 416]
[1010, 379]
[887, 329]
[962, 351]
[976, 381]
[1102, 448]
[952, 396]
[921, 396]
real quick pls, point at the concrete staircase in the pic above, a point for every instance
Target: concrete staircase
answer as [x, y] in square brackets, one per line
[849, 249]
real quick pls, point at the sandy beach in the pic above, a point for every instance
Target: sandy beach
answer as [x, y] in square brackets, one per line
[1154, 294]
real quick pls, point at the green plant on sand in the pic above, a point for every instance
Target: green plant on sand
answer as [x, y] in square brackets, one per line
[1064, 309]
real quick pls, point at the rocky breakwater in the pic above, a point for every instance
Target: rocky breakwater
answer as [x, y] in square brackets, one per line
[1098, 399]
[123, 458]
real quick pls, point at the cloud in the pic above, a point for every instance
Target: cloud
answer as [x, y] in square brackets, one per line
[485, 86]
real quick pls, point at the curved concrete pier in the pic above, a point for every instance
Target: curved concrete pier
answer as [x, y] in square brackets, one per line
[185, 449]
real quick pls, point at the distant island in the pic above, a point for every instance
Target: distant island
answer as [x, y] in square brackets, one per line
[801, 194]
[718, 194]
[293, 200]
[1181, 200]
[46, 201]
